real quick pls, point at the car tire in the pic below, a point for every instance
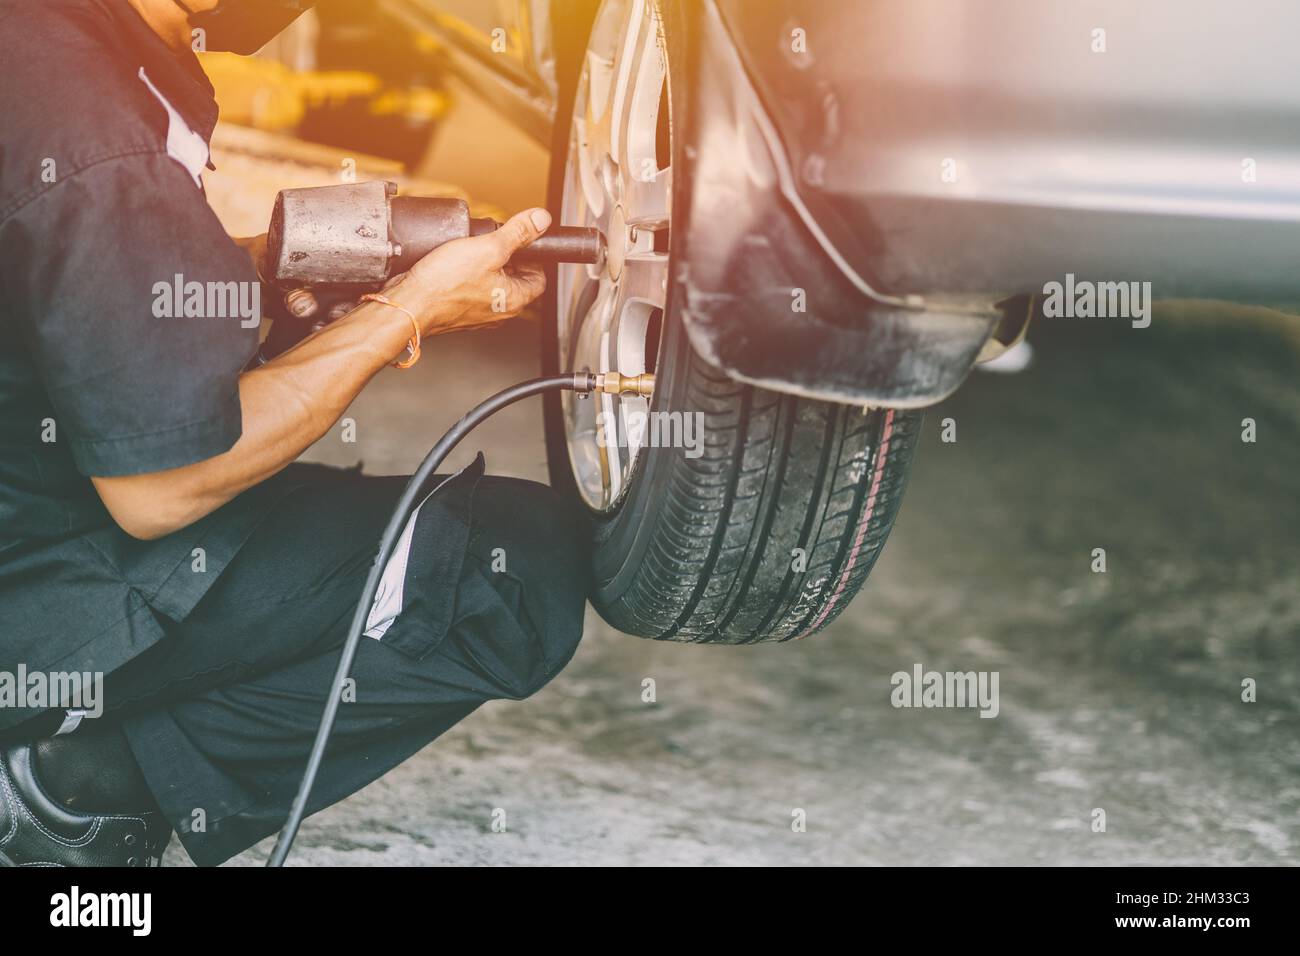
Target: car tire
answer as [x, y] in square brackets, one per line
[767, 526]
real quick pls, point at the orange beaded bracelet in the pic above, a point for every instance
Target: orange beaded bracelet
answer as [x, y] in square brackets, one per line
[413, 345]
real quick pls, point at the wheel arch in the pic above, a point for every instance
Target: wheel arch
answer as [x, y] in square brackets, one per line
[765, 294]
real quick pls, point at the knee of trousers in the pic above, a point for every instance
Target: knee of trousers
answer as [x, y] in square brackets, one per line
[530, 547]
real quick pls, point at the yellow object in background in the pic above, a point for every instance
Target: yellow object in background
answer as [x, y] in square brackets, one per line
[267, 95]
[419, 103]
[254, 92]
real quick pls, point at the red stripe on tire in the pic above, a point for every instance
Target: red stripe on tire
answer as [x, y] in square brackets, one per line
[881, 457]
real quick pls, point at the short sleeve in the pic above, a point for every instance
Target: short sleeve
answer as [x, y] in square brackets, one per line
[139, 311]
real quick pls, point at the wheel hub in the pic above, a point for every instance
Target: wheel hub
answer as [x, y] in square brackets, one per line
[614, 182]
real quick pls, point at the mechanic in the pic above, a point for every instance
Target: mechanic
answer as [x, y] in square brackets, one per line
[154, 528]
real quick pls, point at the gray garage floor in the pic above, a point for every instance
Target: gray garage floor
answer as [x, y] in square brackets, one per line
[1119, 691]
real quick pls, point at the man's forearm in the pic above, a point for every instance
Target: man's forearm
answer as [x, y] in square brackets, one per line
[287, 405]
[292, 401]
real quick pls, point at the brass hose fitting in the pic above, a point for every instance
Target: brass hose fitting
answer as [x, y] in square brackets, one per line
[612, 383]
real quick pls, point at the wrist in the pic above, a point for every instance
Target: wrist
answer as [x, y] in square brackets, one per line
[425, 303]
[385, 331]
[413, 344]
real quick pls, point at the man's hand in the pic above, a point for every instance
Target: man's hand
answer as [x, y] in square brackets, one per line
[470, 283]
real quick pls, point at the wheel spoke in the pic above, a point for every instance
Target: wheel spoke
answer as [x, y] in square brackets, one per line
[590, 138]
[645, 278]
[628, 65]
[649, 202]
[588, 158]
[586, 352]
[598, 77]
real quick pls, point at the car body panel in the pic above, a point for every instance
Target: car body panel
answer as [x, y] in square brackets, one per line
[865, 180]
[993, 146]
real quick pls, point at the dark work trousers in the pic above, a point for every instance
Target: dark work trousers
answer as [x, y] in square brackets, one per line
[221, 714]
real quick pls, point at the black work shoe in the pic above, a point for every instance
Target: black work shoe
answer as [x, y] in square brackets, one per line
[36, 830]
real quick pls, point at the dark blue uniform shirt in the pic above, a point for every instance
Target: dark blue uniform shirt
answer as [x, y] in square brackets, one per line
[96, 209]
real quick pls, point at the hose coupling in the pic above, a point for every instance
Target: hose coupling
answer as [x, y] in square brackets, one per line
[614, 383]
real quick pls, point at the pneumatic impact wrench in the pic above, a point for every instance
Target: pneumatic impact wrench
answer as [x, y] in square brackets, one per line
[328, 245]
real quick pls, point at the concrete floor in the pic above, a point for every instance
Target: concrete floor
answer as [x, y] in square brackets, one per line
[1119, 691]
